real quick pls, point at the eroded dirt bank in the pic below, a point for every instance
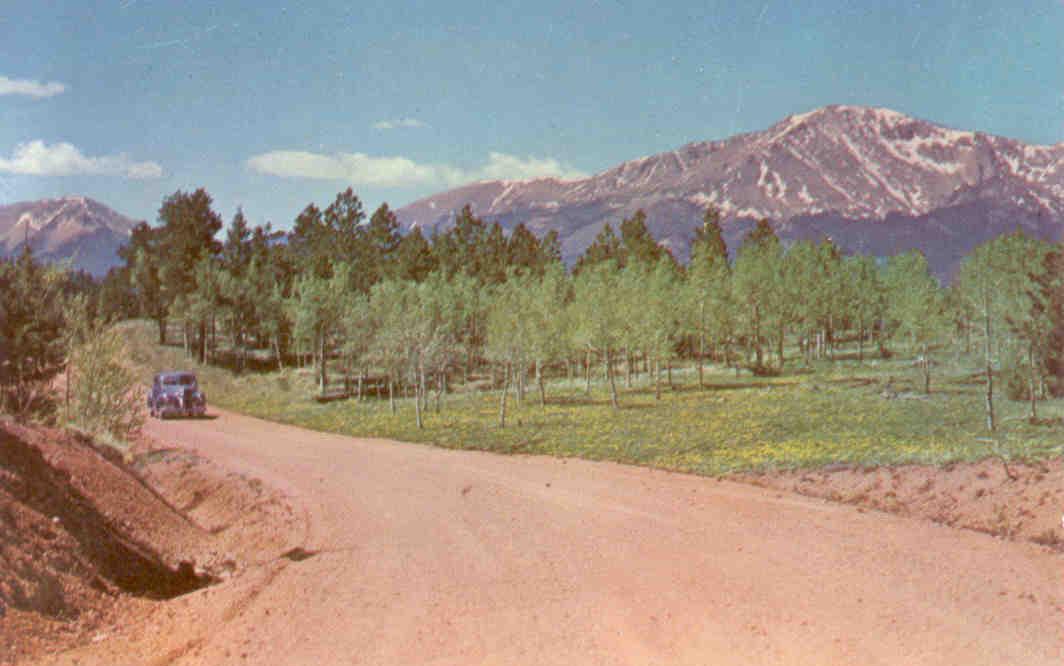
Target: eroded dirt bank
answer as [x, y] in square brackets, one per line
[89, 538]
[421, 555]
[1018, 501]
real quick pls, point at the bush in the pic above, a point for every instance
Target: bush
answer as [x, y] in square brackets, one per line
[103, 393]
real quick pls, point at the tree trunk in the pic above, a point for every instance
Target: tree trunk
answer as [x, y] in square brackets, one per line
[162, 330]
[613, 385]
[277, 350]
[927, 371]
[391, 394]
[668, 370]
[440, 386]
[757, 336]
[587, 373]
[990, 424]
[521, 379]
[323, 377]
[830, 335]
[779, 344]
[539, 381]
[502, 396]
[1032, 382]
[627, 368]
[657, 378]
[419, 391]
[701, 360]
[860, 340]
[967, 334]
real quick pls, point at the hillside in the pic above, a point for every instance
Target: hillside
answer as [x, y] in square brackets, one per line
[89, 541]
[875, 180]
[77, 228]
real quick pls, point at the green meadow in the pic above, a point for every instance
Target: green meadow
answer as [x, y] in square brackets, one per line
[867, 413]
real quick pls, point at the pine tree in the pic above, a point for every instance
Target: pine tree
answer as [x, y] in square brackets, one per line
[414, 257]
[709, 237]
[605, 247]
[524, 250]
[186, 238]
[1047, 317]
[383, 239]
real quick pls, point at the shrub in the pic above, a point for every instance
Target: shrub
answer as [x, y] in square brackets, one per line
[103, 394]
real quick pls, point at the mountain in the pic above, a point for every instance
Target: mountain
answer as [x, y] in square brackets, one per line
[76, 228]
[875, 180]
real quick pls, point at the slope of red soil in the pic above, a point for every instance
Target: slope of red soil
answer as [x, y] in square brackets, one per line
[1023, 502]
[85, 539]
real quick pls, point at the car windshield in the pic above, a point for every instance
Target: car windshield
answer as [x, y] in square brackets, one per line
[179, 380]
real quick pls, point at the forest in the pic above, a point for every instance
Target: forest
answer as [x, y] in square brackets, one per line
[381, 314]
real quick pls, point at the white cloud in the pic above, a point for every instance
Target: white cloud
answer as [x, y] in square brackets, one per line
[501, 166]
[356, 168]
[362, 169]
[396, 124]
[30, 88]
[37, 158]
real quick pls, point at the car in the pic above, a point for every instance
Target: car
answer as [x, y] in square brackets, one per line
[176, 393]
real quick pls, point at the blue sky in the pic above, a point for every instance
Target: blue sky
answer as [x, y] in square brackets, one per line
[273, 105]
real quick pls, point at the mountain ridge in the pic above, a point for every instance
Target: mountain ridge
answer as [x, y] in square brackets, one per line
[73, 227]
[846, 163]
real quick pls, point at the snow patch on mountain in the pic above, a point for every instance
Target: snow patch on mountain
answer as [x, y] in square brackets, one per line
[834, 165]
[74, 227]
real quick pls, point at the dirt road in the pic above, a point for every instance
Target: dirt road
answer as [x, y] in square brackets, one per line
[432, 556]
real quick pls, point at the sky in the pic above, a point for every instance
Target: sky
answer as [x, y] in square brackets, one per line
[272, 106]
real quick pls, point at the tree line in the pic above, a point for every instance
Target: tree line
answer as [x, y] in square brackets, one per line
[366, 305]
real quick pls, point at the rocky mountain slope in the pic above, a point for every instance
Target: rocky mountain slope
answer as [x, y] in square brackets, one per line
[873, 179]
[81, 229]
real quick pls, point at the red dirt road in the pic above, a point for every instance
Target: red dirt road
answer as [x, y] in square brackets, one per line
[433, 556]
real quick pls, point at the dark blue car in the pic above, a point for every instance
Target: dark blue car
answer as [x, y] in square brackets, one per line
[176, 393]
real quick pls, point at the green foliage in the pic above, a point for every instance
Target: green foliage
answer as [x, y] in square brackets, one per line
[186, 237]
[834, 415]
[414, 257]
[708, 307]
[102, 395]
[605, 248]
[344, 289]
[1047, 317]
[708, 243]
[757, 283]
[472, 248]
[638, 245]
[916, 303]
[31, 333]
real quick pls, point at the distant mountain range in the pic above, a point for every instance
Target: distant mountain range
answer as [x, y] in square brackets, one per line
[76, 228]
[874, 180]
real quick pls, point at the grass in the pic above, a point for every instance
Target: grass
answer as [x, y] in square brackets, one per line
[833, 414]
